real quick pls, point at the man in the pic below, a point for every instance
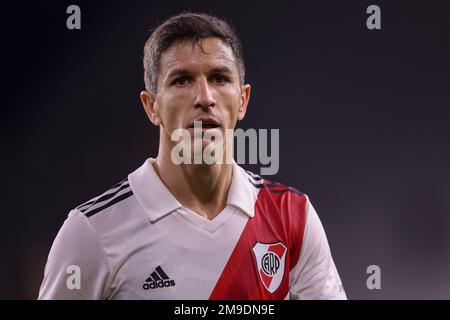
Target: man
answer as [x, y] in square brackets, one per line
[193, 231]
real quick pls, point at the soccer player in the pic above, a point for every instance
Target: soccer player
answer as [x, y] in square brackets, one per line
[193, 231]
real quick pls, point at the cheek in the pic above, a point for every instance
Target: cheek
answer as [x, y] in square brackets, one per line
[173, 110]
[233, 102]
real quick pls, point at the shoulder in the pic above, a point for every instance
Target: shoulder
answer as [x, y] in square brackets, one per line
[112, 197]
[280, 204]
[281, 195]
[87, 224]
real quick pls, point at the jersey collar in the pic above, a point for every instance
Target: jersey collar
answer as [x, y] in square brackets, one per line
[157, 201]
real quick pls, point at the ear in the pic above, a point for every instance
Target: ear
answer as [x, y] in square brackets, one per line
[150, 107]
[245, 97]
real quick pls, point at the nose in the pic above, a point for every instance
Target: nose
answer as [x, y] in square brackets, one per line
[204, 96]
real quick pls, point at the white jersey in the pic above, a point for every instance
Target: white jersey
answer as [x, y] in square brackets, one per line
[136, 241]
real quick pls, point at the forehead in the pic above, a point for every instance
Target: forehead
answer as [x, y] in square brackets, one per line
[209, 52]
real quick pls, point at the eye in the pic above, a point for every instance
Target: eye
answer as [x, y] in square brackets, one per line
[181, 81]
[219, 78]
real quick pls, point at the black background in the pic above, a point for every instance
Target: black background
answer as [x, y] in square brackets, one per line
[363, 118]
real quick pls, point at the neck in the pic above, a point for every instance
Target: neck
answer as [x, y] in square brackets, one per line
[200, 187]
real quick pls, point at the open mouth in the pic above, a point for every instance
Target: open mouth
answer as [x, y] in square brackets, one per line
[205, 124]
[209, 126]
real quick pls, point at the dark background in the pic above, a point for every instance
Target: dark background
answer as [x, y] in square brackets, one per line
[363, 118]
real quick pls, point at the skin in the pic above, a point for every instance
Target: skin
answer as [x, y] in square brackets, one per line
[207, 86]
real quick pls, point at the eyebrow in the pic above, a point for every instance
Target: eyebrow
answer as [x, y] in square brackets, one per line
[185, 72]
[221, 70]
[178, 72]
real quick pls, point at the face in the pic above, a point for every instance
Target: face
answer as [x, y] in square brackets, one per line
[197, 85]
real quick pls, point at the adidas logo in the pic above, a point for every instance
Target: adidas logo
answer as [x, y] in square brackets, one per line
[158, 279]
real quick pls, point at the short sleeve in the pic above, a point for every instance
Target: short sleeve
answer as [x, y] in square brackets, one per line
[77, 266]
[315, 276]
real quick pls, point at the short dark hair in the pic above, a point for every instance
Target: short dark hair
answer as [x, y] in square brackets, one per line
[187, 26]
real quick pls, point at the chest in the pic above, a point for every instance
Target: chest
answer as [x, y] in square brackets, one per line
[238, 258]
